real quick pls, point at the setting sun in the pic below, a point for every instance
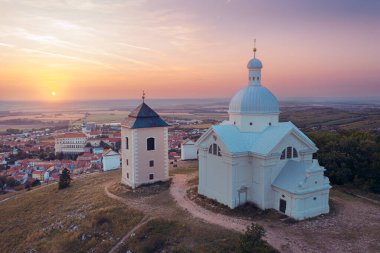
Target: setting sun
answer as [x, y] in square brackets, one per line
[53, 93]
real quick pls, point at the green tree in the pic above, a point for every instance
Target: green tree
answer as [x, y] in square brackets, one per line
[64, 179]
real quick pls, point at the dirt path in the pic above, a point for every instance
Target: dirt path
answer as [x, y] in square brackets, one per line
[345, 229]
[143, 221]
[275, 238]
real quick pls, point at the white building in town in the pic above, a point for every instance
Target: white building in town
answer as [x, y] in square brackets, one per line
[254, 158]
[144, 147]
[189, 150]
[70, 143]
[111, 160]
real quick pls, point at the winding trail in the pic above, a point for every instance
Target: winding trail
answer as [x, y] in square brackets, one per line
[276, 238]
[143, 221]
[130, 203]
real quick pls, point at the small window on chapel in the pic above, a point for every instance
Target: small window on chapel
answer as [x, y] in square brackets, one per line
[250, 123]
[151, 163]
[258, 78]
[289, 152]
[214, 148]
[295, 153]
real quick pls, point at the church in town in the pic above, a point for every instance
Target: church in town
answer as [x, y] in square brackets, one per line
[144, 147]
[254, 158]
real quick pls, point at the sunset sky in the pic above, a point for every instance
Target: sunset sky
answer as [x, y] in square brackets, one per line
[70, 49]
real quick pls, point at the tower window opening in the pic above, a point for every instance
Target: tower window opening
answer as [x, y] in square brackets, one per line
[250, 123]
[270, 123]
[258, 78]
[150, 144]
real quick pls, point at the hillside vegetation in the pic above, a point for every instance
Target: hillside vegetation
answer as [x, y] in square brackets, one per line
[350, 158]
[80, 218]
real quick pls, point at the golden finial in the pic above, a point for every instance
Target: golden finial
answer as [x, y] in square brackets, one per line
[254, 48]
[143, 96]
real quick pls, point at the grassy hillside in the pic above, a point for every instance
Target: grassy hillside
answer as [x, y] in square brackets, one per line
[78, 219]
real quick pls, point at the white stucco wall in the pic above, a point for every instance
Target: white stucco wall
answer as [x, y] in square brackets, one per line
[111, 162]
[215, 174]
[189, 152]
[138, 156]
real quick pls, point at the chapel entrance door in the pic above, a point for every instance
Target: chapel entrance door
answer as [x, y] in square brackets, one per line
[282, 205]
[242, 195]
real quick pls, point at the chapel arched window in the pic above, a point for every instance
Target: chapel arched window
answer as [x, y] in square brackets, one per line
[214, 149]
[289, 153]
[295, 153]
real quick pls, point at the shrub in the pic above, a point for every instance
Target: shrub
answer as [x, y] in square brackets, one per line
[36, 182]
[19, 187]
[64, 179]
[251, 238]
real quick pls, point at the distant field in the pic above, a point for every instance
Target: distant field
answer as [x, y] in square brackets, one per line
[305, 117]
[45, 117]
[106, 116]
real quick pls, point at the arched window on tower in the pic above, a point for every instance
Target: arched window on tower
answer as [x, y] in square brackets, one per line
[150, 144]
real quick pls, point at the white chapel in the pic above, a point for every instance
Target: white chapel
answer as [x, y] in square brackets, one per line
[254, 158]
[144, 147]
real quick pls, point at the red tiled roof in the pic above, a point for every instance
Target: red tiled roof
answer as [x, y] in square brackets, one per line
[71, 135]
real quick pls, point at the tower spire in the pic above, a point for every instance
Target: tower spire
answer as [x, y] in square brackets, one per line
[143, 96]
[254, 48]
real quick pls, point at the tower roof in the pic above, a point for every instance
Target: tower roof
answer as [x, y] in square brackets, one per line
[144, 117]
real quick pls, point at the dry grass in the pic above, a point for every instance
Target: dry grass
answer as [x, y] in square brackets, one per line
[184, 167]
[77, 219]
[168, 235]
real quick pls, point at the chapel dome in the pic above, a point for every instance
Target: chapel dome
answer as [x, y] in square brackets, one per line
[254, 64]
[254, 100]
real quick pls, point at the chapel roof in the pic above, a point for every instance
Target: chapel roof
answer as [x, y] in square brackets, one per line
[293, 176]
[261, 143]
